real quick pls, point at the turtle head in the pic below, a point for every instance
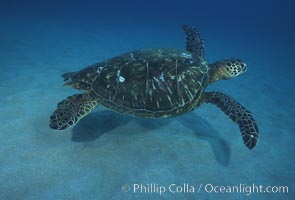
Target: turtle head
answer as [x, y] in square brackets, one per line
[226, 69]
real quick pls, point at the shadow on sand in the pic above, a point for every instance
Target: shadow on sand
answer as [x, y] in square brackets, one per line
[98, 123]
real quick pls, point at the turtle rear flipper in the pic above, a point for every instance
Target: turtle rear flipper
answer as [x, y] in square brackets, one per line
[70, 110]
[236, 113]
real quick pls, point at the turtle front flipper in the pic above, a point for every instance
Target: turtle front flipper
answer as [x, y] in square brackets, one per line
[237, 113]
[70, 110]
[194, 42]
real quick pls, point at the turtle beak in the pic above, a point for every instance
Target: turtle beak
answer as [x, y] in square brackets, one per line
[244, 66]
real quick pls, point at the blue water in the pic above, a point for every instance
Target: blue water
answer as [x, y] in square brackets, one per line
[40, 40]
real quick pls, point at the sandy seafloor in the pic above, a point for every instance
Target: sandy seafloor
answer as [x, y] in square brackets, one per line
[106, 150]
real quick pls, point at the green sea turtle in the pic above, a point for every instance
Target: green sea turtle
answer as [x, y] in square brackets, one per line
[155, 83]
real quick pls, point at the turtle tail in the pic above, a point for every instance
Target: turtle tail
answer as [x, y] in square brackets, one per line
[237, 113]
[68, 76]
